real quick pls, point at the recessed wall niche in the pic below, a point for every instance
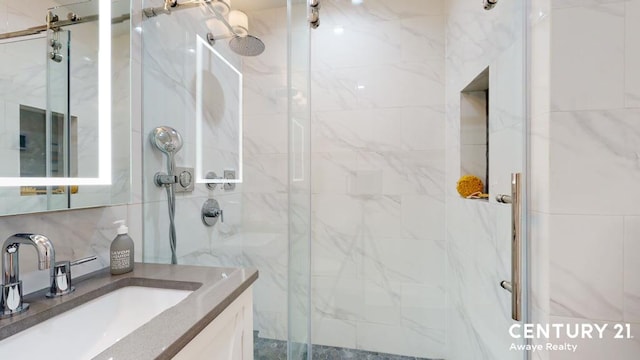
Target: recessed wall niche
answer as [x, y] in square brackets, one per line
[474, 128]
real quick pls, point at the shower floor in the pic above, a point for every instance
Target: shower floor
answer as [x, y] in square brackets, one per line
[268, 349]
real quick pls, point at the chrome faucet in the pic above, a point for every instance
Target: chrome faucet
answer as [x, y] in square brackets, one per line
[11, 301]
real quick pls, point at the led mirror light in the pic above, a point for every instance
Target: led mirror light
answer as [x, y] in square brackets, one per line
[201, 46]
[104, 115]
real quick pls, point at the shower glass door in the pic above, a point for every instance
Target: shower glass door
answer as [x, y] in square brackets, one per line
[407, 97]
[190, 78]
[299, 123]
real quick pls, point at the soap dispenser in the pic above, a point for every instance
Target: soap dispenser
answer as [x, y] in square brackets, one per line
[121, 255]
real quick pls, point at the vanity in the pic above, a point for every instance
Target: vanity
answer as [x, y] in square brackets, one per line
[212, 316]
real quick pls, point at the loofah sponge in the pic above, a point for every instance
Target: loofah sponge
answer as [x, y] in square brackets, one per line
[470, 185]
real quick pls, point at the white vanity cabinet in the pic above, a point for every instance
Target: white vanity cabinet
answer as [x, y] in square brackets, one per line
[228, 337]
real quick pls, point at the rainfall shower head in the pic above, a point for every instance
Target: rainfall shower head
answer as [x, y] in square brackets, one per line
[166, 139]
[246, 45]
[238, 32]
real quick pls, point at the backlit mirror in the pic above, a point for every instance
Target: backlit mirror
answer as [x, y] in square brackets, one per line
[219, 118]
[64, 104]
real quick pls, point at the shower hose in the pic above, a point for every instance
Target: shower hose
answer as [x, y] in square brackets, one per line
[171, 199]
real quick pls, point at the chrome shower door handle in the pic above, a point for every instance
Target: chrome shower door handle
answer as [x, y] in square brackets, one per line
[514, 286]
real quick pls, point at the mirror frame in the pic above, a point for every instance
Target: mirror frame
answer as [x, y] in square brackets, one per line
[104, 115]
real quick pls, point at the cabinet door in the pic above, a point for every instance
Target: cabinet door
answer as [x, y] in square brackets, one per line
[227, 337]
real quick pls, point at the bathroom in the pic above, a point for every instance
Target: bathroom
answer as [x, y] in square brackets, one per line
[336, 152]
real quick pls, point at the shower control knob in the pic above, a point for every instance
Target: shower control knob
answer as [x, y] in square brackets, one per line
[211, 212]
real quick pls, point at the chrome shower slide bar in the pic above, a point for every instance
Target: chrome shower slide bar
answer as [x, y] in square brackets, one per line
[514, 286]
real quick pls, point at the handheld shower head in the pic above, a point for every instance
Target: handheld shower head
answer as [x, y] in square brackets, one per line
[169, 141]
[166, 139]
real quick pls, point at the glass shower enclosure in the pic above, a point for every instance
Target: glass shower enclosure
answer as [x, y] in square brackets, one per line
[352, 139]
[244, 118]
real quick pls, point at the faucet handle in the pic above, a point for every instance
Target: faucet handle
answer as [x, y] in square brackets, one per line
[61, 277]
[83, 260]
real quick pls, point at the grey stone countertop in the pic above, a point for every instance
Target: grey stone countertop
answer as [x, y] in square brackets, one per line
[214, 288]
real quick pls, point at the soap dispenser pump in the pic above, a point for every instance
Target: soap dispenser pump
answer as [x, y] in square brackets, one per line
[121, 254]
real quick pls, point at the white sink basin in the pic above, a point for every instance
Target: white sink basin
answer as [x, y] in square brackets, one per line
[87, 330]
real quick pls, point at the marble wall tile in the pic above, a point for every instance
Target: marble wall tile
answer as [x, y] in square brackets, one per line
[423, 128]
[378, 157]
[388, 261]
[577, 288]
[507, 155]
[336, 254]
[600, 55]
[631, 269]
[422, 217]
[478, 312]
[539, 267]
[409, 339]
[331, 331]
[382, 301]
[340, 297]
[337, 173]
[347, 221]
[395, 85]
[539, 162]
[594, 150]
[560, 4]
[268, 173]
[339, 12]
[379, 42]
[541, 64]
[424, 304]
[632, 54]
[265, 134]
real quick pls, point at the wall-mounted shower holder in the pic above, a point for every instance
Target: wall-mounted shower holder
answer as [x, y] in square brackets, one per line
[183, 179]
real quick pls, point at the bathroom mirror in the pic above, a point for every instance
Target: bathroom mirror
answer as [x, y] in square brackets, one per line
[64, 104]
[219, 118]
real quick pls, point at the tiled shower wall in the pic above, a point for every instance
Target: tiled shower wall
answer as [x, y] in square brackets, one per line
[378, 125]
[254, 232]
[478, 241]
[585, 141]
